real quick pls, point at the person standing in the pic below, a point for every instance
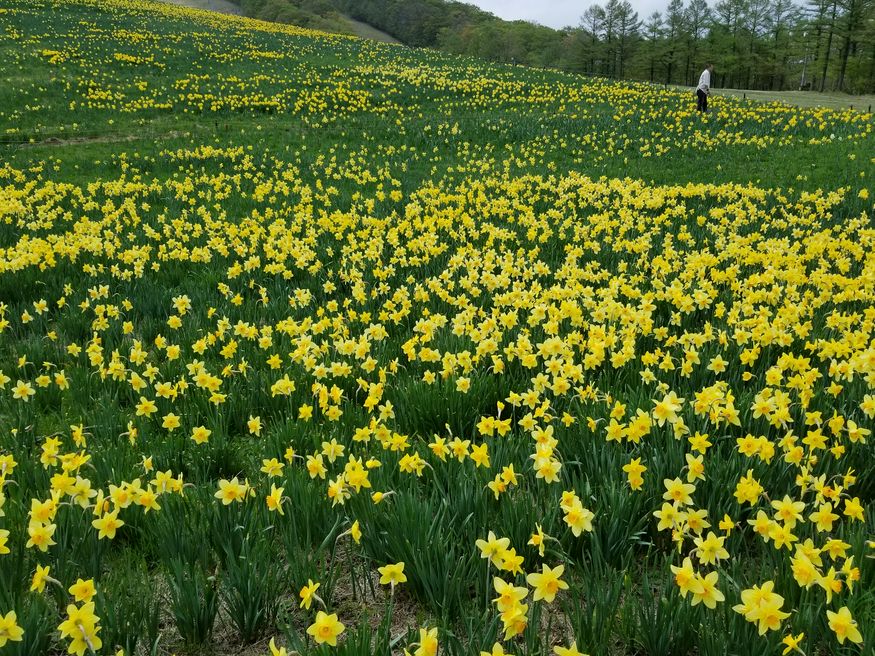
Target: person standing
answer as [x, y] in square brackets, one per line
[704, 89]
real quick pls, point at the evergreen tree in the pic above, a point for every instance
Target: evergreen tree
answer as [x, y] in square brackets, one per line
[593, 23]
[675, 36]
[697, 16]
[654, 31]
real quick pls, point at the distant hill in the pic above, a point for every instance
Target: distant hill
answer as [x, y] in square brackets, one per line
[668, 47]
[422, 23]
[313, 14]
[454, 27]
[413, 22]
[221, 6]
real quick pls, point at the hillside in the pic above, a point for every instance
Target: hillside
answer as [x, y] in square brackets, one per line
[220, 6]
[312, 14]
[284, 78]
[366, 31]
[318, 345]
[768, 45]
[441, 24]
[328, 20]
[413, 22]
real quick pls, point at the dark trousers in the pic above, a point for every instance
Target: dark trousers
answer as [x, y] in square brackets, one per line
[701, 101]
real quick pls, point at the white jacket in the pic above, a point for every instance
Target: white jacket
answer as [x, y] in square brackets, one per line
[705, 81]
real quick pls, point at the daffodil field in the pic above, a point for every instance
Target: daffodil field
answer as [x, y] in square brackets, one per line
[315, 345]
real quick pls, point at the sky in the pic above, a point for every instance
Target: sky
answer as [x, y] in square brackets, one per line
[555, 13]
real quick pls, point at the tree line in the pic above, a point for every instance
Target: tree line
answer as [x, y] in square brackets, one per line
[823, 45]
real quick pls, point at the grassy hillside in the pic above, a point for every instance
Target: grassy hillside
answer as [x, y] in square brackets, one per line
[241, 76]
[413, 23]
[221, 6]
[280, 307]
[808, 98]
[312, 14]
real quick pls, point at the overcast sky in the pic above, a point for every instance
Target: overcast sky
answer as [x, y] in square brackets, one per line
[555, 13]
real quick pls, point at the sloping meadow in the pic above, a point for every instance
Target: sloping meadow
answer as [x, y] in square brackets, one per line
[357, 349]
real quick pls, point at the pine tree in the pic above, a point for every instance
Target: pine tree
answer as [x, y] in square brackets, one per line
[593, 23]
[675, 29]
[654, 30]
[697, 16]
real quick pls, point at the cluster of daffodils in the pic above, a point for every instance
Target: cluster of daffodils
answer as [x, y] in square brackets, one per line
[339, 368]
[79, 629]
[134, 62]
[781, 528]
[325, 628]
[350, 298]
[545, 585]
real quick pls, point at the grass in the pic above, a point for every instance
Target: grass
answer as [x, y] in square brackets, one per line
[469, 278]
[366, 31]
[806, 98]
[795, 98]
[221, 6]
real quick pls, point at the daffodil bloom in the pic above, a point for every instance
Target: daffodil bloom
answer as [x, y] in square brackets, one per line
[510, 561]
[274, 499]
[272, 467]
[666, 410]
[9, 629]
[40, 536]
[428, 643]
[571, 650]
[497, 650]
[509, 595]
[147, 499]
[710, 549]
[492, 547]
[23, 391]
[308, 594]
[276, 651]
[762, 605]
[678, 491]
[40, 578]
[547, 583]
[704, 590]
[231, 491]
[325, 629]
[356, 532]
[107, 525]
[539, 539]
[392, 574]
[82, 590]
[146, 407]
[844, 626]
[200, 434]
[336, 301]
[634, 470]
[685, 576]
[515, 620]
[854, 509]
[791, 643]
[788, 511]
[81, 628]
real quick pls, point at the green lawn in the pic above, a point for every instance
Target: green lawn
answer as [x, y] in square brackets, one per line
[806, 98]
[281, 308]
[221, 6]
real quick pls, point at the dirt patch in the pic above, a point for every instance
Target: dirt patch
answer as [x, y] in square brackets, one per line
[366, 31]
[96, 139]
[219, 6]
